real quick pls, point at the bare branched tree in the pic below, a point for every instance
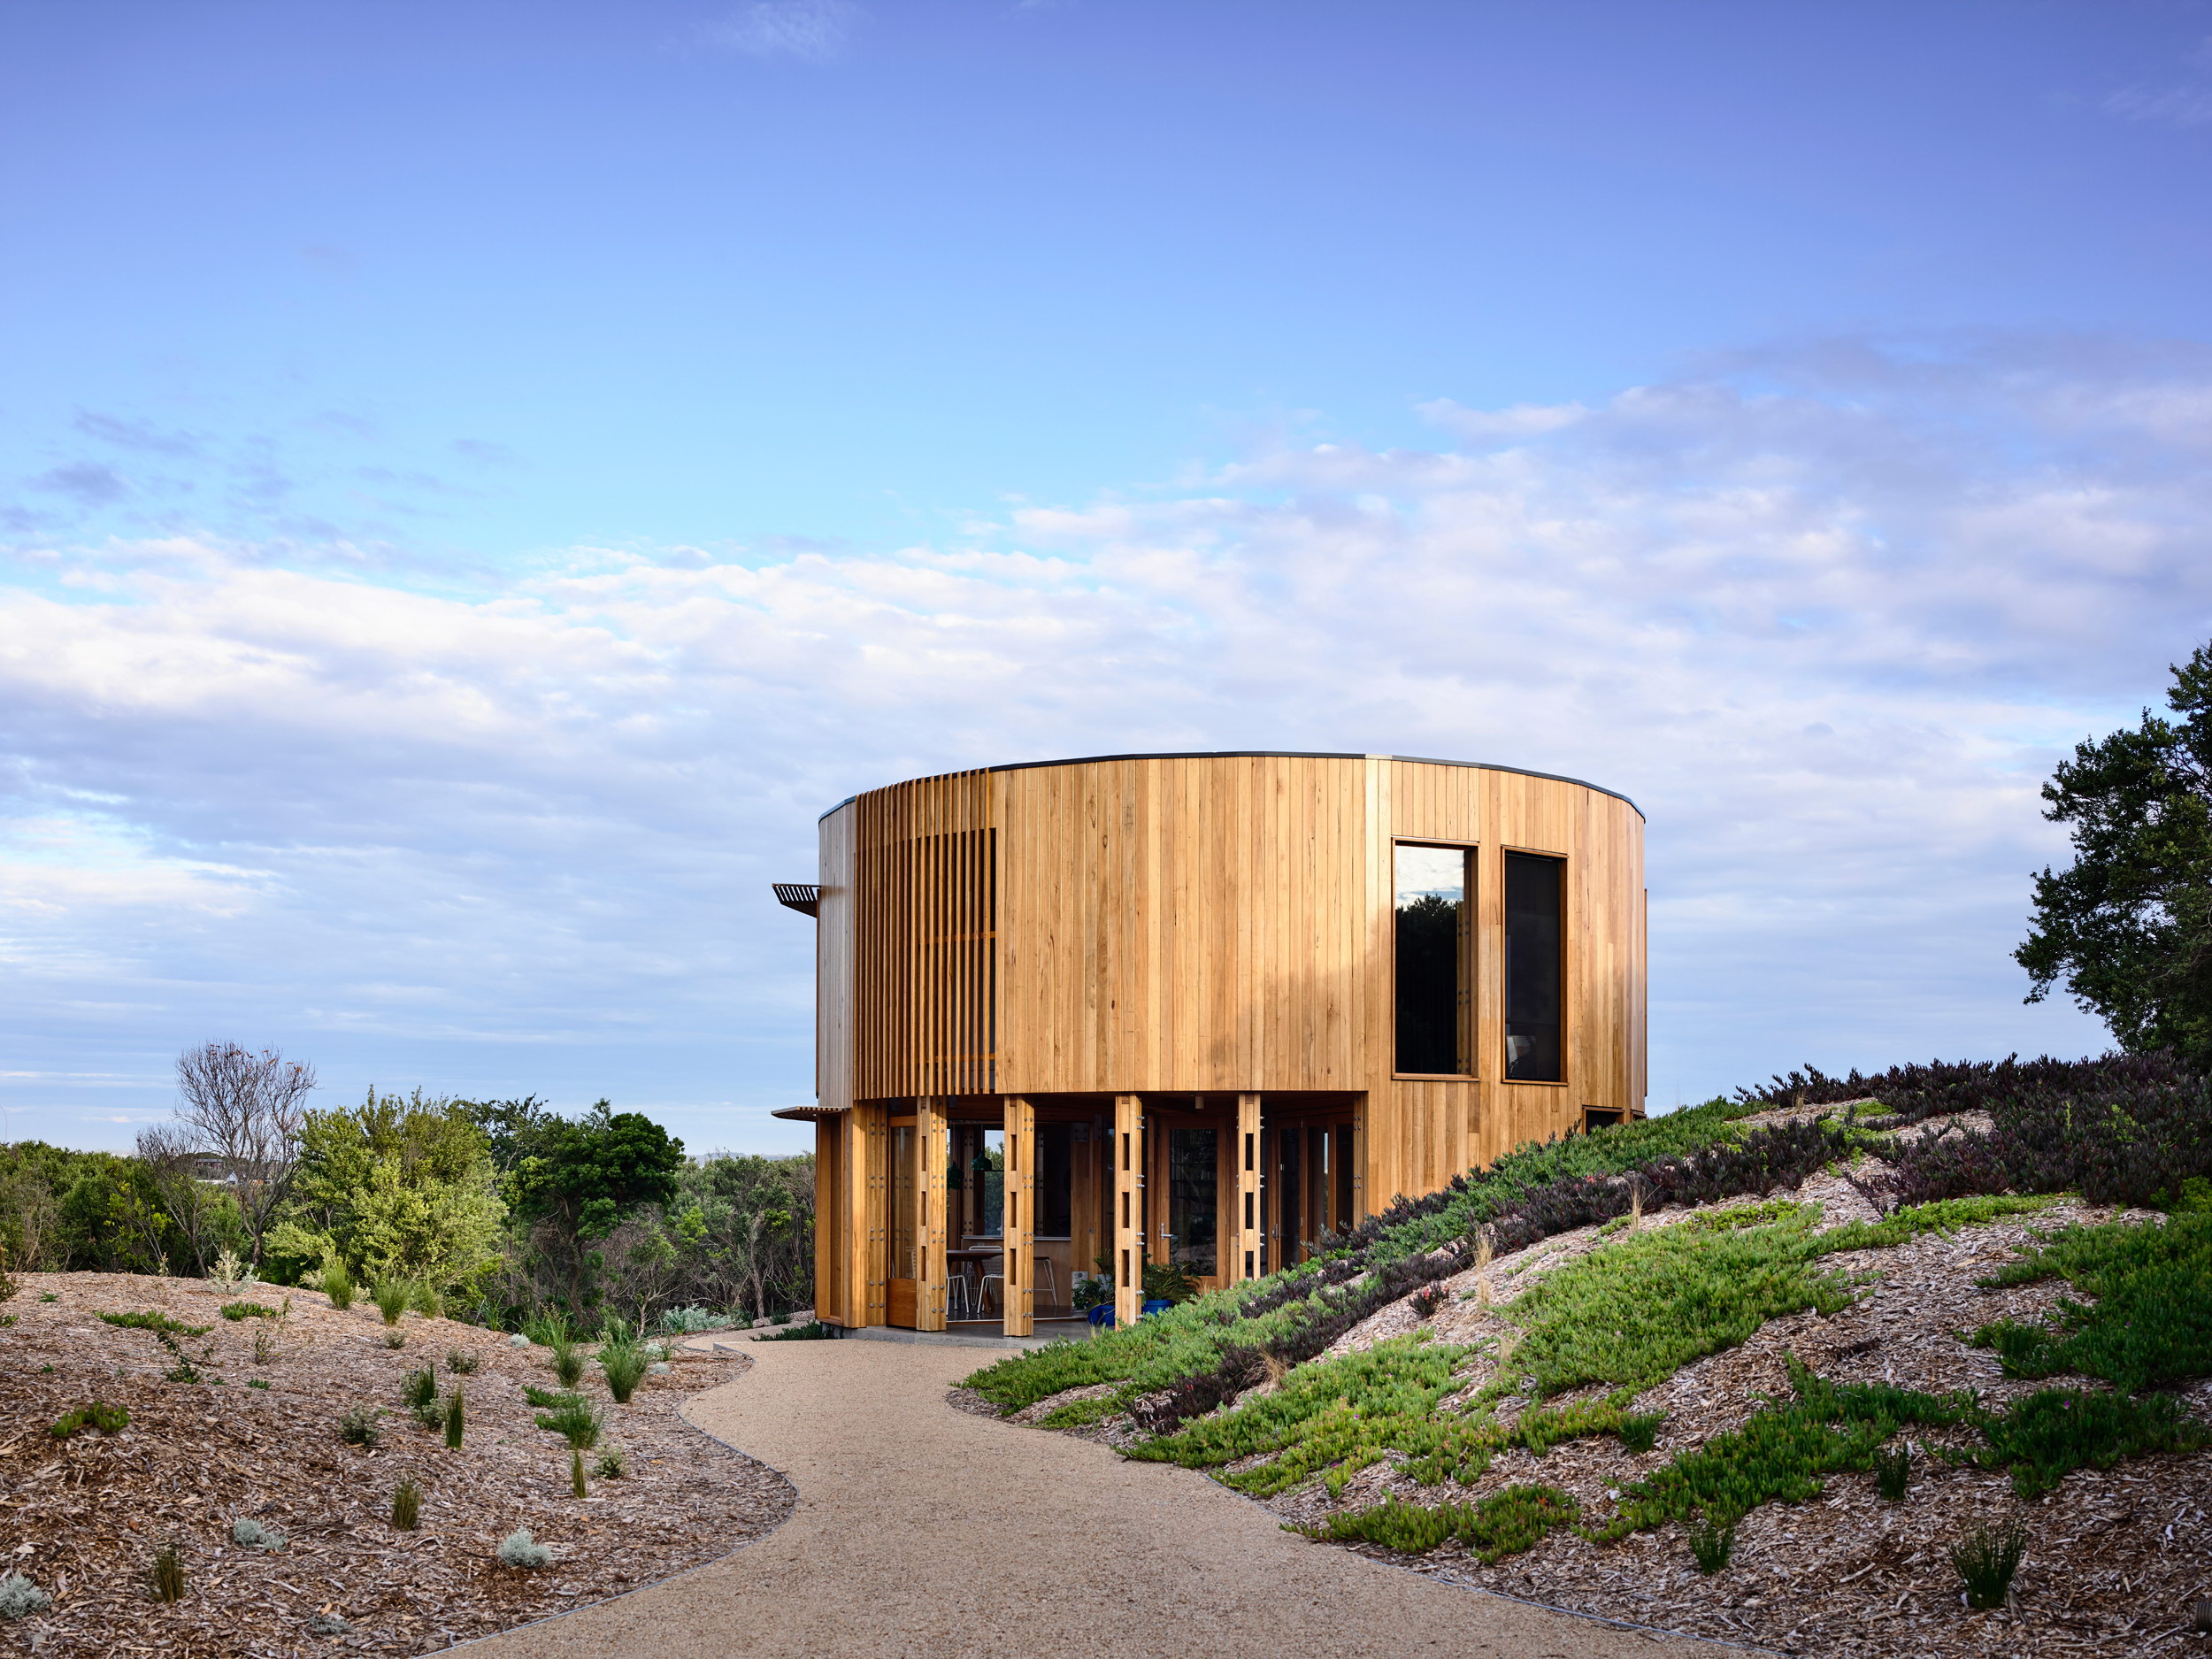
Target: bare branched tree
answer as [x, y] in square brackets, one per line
[246, 1109]
[190, 1203]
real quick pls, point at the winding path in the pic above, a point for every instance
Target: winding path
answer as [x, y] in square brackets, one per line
[928, 1531]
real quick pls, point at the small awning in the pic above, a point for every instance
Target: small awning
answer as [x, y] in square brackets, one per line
[802, 896]
[805, 1114]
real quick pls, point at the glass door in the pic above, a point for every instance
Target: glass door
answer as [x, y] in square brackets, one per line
[1185, 1153]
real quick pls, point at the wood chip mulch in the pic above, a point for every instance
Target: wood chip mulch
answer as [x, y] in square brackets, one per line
[85, 1517]
[2117, 1559]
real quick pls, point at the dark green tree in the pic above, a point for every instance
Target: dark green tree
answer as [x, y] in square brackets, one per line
[2129, 927]
[584, 1176]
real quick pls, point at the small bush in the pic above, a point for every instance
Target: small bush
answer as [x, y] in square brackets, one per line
[338, 1285]
[358, 1427]
[610, 1465]
[396, 1338]
[328, 1625]
[391, 1297]
[812, 1331]
[460, 1360]
[426, 1299]
[257, 1382]
[455, 1419]
[420, 1390]
[576, 1422]
[1711, 1546]
[691, 1321]
[518, 1340]
[1986, 1561]
[568, 1363]
[168, 1574]
[44, 1296]
[20, 1597]
[523, 1552]
[1640, 1433]
[1893, 1473]
[406, 1506]
[237, 1310]
[229, 1272]
[624, 1364]
[254, 1534]
[548, 1330]
[107, 1419]
[1428, 1299]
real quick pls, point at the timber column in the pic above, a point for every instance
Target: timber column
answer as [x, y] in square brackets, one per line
[1020, 1222]
[933, 1197]
[1128, 1154]
[874, 1134]
[1247, 1264]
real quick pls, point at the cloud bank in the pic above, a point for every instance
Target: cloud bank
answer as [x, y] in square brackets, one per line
[1828, 616]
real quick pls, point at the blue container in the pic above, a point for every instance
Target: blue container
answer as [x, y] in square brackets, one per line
[1159, 1305]
[1102, 1315]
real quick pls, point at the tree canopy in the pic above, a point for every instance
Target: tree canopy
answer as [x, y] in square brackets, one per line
[2128, 928]
[585, 1175]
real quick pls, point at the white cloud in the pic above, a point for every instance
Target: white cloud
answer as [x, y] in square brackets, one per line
[2170, 106]
[812, 31]
[1830, 635]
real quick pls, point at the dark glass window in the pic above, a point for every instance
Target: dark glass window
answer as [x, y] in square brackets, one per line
[1433, 966]
[1533, 892]
[1194, 1198]
[1056, 1182]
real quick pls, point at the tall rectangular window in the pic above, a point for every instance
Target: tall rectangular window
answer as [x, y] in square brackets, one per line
[1535, 964]
[1434, 969]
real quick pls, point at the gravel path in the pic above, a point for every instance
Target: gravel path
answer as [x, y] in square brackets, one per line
[927, 1532]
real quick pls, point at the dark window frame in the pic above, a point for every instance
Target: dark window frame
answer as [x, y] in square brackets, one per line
[1505, 985]
[1468, 1016]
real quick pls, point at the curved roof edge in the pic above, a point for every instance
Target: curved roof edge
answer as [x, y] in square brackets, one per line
[1262, 754]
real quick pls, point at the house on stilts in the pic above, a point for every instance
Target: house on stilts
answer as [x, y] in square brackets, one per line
[1077, 1016]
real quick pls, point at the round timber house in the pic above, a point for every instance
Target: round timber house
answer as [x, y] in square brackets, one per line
[1193, 1013]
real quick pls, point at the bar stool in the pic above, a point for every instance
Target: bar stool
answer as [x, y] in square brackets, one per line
[983, 1290]
[959, 1304]
[1045, 1275]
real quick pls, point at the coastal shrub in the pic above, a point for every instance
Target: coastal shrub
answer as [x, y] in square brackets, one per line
[358, 1427]
[691, 1321]
[460, 1360]
[523, 1552]
[2046, 1436]
[1426, 1301]
[406, 1506]
[253, 1534]
[812, 1331]
[396, 1338]
[108, 1419]
[568, 1362]
[20, 1597]
[1986, 1559]
[1640, 1433]
[419, 1395]
[1893, 1473]
[338, 1285]
[546, 1399]
[1504, 1523]
[237, 1310]
[610, 1464]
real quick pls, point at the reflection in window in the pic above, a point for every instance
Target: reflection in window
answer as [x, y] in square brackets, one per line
[989, 1171]
[1533, 963]
[1433, 967]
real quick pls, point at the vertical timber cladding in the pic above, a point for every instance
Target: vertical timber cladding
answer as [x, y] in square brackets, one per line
[926, 948]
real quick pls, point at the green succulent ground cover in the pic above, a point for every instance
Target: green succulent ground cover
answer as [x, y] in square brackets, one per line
[2151, 1324]
[1492, 1528]
[1189, 1338]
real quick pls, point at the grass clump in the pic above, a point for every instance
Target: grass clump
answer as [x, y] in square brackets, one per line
[1987, 1559]
[568, 1360]
[237, 1311]
[574, 1421]
[108, 1419]
[1492, 1528]
[391, 1297]
[546, 1399]
[338, 1285]
[523, 1552]
[455, 1419]
[1640, 1433]
[1893, 1473]
[168, 1574]
[576, 1473]
[1711, 1545]
[20, 1597]
[625, 1363]
[2151, 1324]
[406, 1507]
[419, 1395]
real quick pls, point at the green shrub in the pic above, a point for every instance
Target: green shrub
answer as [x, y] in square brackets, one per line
[2047, 1435]
[456, 1418]
[159, 1324]
[338, 1285]
[568, 1363]
[391, 1297]
[610, 1465]
[460, 1360]
[423, 1298]
[1641, 1434]
[107, 1419]
[237, 1310]
[421, 1389]
[358, 1427]
[257, 1382]
[576, 1422]
[812, 1331]
[1504, 1523]
[548, 1399]
[1986, 1561]
[406, 1506]
[523, 1552]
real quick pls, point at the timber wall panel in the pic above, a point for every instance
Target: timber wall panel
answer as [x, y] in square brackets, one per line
[833, 961]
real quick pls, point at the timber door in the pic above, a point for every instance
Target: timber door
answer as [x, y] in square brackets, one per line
[1187, 1159]
[906, 1222]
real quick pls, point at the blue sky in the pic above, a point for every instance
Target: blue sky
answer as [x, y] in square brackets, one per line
[476, 479]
